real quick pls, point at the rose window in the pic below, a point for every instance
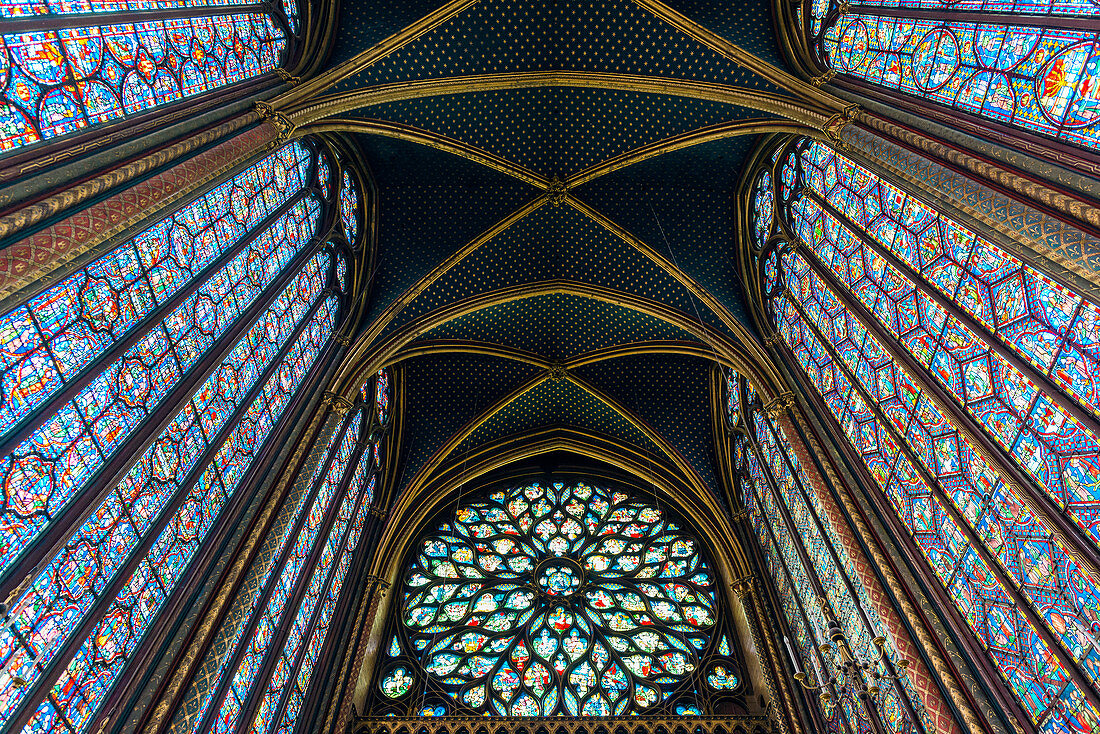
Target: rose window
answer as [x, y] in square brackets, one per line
[559, 599]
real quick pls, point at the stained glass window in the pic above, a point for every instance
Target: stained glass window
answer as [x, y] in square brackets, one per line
[891, 300]
[212, 316]
[57, 79]
[1040, 72]
[733, 398]
[793, 523]
[349, 208]
[763, 209]
[382, 397]
[557, 598]
[281, 618]
[127, 329]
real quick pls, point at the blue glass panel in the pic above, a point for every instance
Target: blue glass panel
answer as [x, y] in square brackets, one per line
[1045, 80]
[58, 82]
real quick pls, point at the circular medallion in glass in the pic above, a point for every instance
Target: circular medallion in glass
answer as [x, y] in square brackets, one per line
[559, 577]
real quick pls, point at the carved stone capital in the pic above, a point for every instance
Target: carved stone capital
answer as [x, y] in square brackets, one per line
[742, 586]
[773, 340]
[281, 122]
[339, 404]
[779, 404]
[342, 339]
[287, 77]
[834, 126]
[820, 81]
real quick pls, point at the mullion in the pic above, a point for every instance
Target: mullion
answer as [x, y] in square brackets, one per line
[1004, 580]
[812, 512]
[155, 317]
[307, 633]
[292, 679]
[778, 550]
[297, 591]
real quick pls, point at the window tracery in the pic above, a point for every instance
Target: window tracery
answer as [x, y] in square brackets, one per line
[1034, 66]
[268, 655]
[923, 337]
[97, 66]
[190, 339]
[813, 573]
[554, 598]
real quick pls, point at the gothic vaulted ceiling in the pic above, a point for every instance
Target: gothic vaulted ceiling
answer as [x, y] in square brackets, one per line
[555, 217]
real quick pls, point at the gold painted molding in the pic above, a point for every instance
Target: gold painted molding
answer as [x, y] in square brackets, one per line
[743, 58]
[367, 57]
[708, 134]
[431, 139]
[335, 104]
[420, 501]
[365, 358]
[774, 381]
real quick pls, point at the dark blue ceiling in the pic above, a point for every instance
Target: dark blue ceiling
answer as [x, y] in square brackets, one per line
[432, 203]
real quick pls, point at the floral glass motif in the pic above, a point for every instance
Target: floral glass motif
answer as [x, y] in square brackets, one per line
[54, 82]
[57, 337]
[763, 209]
[721, 678]
[349, 208]
[893, 254]
[1041, 79]
[559, 599]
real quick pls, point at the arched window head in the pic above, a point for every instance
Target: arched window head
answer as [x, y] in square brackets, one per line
[140, 392]
[559, 598]
[1033, 67]
[964, 377]
[66, 67]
